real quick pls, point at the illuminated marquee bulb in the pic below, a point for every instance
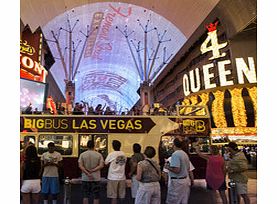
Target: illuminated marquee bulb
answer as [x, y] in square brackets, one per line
[193, 100]
[218, 110]
[40, 47]
[185, 102]
[253, 95]
[204, 100]
[238, 108]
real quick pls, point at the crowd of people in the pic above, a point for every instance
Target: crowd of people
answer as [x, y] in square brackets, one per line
[39, 176]
[82, 108]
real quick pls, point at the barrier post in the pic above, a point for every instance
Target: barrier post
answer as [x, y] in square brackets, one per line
[67, 191]
[232, 191]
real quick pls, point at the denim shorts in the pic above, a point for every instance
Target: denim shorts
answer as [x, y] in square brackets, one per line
[50, 185]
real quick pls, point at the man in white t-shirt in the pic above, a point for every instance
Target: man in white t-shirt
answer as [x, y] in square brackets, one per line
[191, 175]
[116, 187]
[179, 187]
[50, 163]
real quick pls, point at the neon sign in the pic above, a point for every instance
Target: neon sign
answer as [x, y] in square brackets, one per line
[30, 69]
[30, 56]
[26, 49]
[206, 78]
[215, 47]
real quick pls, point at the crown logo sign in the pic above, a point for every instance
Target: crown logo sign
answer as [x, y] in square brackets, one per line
[212, 26]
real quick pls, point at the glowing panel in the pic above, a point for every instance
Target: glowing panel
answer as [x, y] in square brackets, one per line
[32, 92]
[108, 72]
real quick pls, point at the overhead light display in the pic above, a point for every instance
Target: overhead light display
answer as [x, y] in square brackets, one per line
[107, 72]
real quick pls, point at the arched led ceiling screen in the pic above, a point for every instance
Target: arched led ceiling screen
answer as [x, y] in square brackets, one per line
[112, 64]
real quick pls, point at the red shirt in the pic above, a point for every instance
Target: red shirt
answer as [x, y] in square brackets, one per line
[215, 171]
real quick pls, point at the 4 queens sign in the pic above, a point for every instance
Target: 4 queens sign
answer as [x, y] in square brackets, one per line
[218, 73]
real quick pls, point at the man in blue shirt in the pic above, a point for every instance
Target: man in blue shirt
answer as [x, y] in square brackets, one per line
[179, 186]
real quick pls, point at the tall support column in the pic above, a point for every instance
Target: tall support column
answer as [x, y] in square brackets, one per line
[146, 96]
[69, 95]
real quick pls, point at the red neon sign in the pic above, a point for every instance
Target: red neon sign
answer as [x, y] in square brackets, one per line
[32, 70]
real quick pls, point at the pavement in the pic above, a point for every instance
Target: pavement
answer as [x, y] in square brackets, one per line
[198, 195]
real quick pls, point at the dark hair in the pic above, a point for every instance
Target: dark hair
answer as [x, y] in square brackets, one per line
[185, 146]
[31, 152]
[177, 143]
[136, 148]
[90, 144]
[214, 149]
[150, 152]
[51, 144]
[116, 145]
[233, 146]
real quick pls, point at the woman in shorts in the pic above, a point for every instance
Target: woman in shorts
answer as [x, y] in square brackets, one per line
[215, 173]
[30, 168]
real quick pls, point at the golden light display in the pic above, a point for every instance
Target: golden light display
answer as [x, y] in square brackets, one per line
[40, 47]
[238, 108]
[218, 113]
[193, 100]
[253, 95]
[185, 110]
[234, 131]
[218, 110]
[186, 102]
[204, 100]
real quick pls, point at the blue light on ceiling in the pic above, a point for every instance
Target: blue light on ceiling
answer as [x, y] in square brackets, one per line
[107, 73]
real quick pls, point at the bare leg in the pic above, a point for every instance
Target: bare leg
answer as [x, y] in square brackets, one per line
[45, 198]
[54, 198]
[35, 198]
[245, 198]
[238, 197]
[114, 201]
[213, 196]
[85, 200]
[95, 201]
[26, 198]
[121, 200]
[223, 197]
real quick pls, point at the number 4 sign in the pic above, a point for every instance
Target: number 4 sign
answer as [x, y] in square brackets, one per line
[214, 47]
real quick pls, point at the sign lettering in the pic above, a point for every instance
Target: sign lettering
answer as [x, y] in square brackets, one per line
[25, 48]
[87, 124]
[218, 73]
[215, 46]
[31, 69]
[30, 56]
